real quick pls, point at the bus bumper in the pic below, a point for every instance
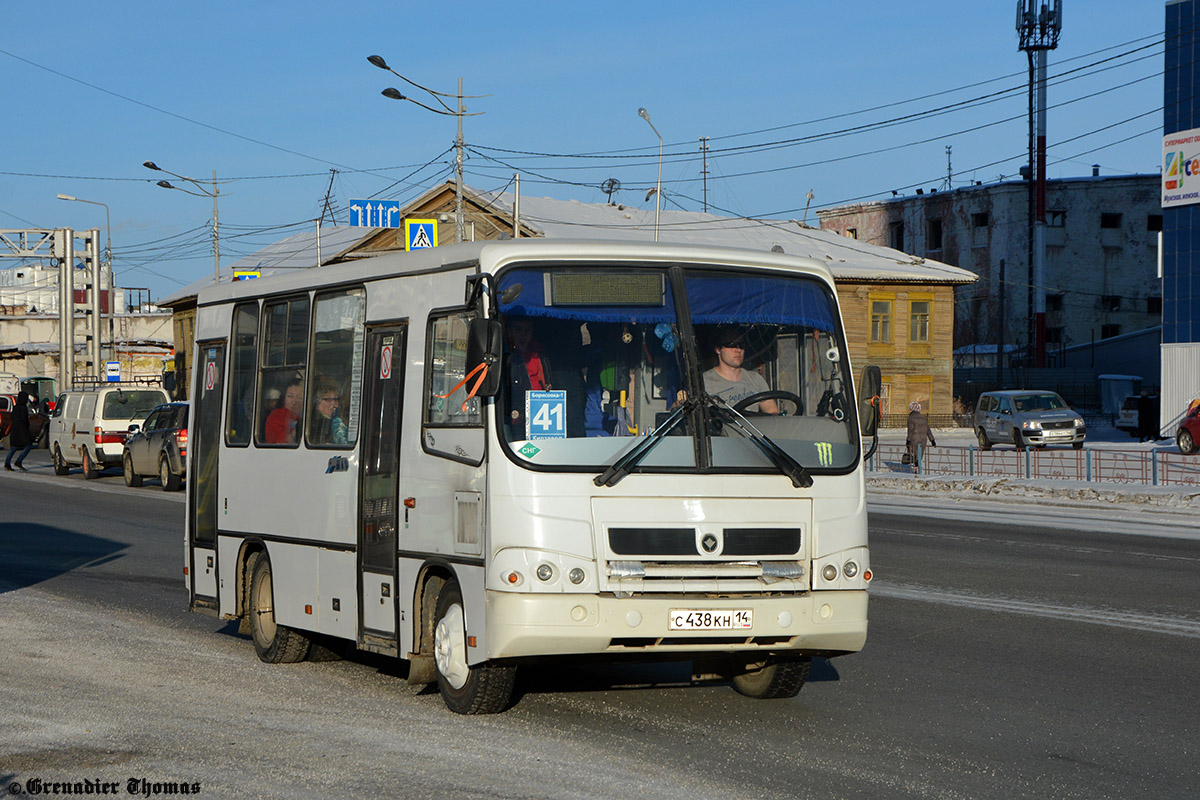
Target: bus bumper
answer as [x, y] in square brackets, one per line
[520, 625]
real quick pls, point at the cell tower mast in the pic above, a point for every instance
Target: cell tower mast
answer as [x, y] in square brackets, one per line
[1039, 23]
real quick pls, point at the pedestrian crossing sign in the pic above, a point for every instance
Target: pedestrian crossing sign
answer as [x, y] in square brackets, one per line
[420, 234]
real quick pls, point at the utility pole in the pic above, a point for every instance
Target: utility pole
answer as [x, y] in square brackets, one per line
[66, 308]
[704, 169]
[1039, 24]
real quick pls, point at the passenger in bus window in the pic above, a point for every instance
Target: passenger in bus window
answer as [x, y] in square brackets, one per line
[325, 426]
[282, 422]
[728, 380]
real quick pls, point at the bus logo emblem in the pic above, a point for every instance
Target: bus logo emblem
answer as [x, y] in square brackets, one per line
[709, 543]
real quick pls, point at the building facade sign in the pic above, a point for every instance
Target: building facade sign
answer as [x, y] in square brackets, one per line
[1181, 168]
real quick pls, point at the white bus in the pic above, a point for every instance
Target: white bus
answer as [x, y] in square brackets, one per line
[487, 454]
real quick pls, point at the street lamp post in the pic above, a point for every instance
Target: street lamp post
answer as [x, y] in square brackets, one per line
[394, 94]
[204, 192]
[644, 114]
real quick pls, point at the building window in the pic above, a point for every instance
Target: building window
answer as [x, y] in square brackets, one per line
[852, 233]
[1154, 223]
[881, 321]
[934, 235]
[1054, 335]
[918, 321]
[1110, 302]
[1110, 220]
[896, 235]
[979, 229]
[1054, 302]
[1153, 305]
[1056, 219]
[1109, 331]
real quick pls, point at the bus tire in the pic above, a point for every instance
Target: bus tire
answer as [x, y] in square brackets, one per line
[132, 479]
[274, 643]
[774, 681]
[60, 465]
[482, 689]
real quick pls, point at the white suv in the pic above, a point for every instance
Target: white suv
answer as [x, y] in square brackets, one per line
[89, 426]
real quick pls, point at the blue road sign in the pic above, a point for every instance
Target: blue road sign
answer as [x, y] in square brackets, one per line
[420, 234]
[375, 213]
[546, 414]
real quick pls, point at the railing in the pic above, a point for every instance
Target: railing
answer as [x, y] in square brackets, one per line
[1148, 468]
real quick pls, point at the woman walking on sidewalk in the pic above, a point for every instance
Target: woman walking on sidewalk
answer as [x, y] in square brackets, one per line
[20, 435]
[918, 433]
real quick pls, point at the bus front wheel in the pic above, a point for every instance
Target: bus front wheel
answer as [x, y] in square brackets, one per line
[773, 681]
[481, 689]
[274, 643]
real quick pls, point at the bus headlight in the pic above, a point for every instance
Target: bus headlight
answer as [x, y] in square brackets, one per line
[576, 575]
[829, 573]
[545, 572]
[850, 569]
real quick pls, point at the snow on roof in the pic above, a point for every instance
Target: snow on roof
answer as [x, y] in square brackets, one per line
[298, 251]
[847, 259]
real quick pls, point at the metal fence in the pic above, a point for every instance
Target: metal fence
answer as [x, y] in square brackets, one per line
[1148, 468]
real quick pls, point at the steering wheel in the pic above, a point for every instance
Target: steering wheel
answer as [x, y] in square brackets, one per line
[774, 394]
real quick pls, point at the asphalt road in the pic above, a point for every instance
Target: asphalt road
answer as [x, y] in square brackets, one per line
[1003, 661]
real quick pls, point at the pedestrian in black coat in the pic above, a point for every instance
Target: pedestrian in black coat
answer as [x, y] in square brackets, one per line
[20, 435]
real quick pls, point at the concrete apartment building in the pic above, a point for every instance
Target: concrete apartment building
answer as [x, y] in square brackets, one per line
[1101, 277]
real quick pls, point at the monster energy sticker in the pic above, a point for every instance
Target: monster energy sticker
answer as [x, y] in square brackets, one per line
[824, 453]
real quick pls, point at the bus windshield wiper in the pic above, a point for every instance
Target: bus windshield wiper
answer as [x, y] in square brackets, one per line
[789, 466]
[634, 455]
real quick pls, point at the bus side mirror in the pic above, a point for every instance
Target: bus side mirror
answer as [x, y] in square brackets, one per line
[485, 346]
[868, 400]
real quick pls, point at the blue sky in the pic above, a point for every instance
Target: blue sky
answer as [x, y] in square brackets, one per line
[272, 95]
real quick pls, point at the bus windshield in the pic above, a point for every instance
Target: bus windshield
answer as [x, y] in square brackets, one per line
[600, 354]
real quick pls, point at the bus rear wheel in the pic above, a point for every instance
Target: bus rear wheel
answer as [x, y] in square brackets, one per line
[775, 681]
[274, 643]
[481, 689]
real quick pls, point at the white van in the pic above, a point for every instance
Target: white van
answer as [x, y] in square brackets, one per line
[89, 426]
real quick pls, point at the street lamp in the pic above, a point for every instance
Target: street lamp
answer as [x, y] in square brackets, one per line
[393, 94]
[644, 114]
[107, 225]
[203, 193]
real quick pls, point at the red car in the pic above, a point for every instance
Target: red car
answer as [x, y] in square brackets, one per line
[1189, 429]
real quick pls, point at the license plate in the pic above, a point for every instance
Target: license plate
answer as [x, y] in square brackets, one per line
[701, 619]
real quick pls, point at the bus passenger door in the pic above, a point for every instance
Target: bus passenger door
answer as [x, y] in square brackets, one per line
[381, 421]
[205, 446]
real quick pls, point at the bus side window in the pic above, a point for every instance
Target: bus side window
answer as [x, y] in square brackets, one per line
[244, 370]
[445, 368]
[337, 362]
[283, 368]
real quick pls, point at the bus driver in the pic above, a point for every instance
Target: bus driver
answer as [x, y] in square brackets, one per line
[729, 381]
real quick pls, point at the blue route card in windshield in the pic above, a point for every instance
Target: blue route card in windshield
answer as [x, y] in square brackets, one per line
[546, 414]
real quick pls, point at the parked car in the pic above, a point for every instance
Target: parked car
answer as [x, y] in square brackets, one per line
[89, 426]
[1189, 429]
[1033, 418]
[1127, 416]
[158, 447]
